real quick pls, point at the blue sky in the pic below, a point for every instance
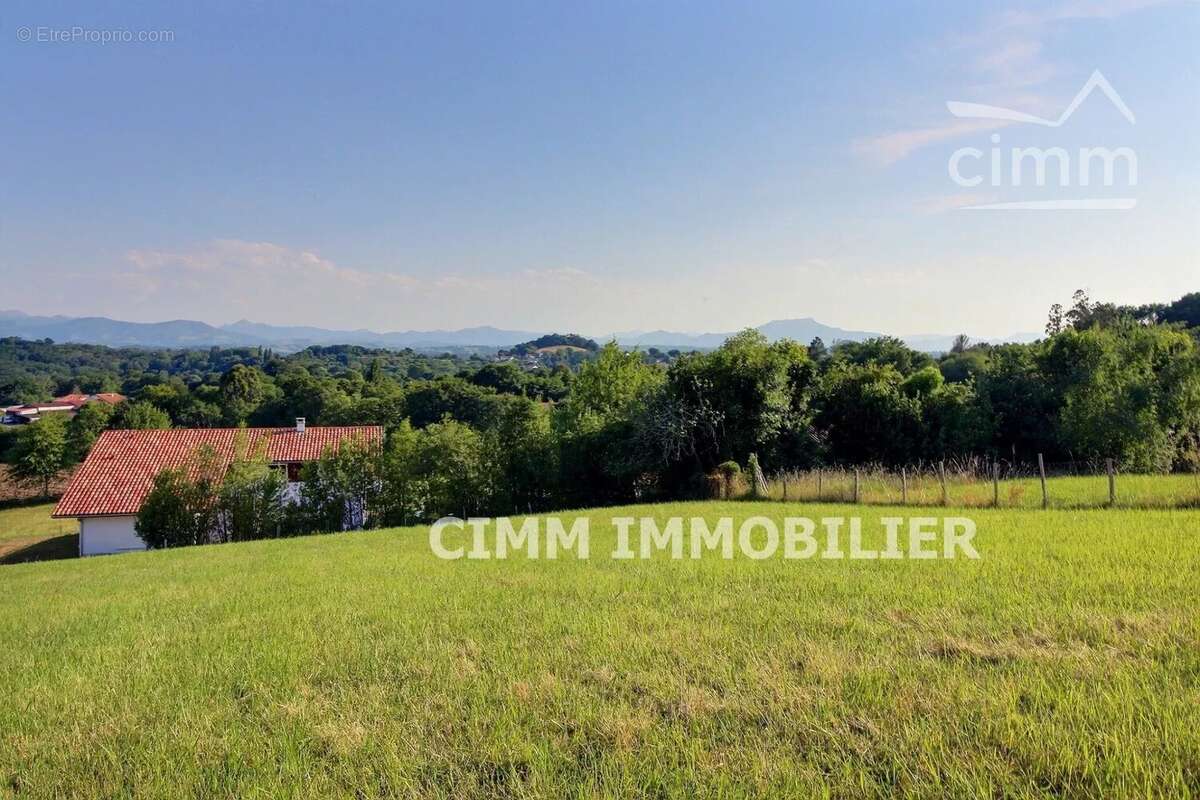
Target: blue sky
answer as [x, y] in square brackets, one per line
[593, 167]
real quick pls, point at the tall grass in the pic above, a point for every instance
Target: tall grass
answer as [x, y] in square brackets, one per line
[970, 484]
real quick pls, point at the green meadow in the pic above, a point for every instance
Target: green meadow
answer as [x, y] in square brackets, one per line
[1064, 662]
[880, 487]
[28, 533]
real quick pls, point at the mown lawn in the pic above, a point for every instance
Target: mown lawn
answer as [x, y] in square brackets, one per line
[1064, 662]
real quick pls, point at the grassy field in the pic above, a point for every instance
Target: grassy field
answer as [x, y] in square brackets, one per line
[1064, 662]
[1066, 492]
[27, 533]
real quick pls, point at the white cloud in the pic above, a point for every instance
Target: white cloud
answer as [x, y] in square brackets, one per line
[264, 281]
[889, 148]
[1004, 61]
[224, 280]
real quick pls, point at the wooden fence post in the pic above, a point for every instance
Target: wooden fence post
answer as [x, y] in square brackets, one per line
[1112, 482]
[995, 483]
[1042, 474]
[942, 478]
[856, 484]
[903, 486]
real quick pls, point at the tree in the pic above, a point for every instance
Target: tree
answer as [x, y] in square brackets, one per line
[883, 351]
[437, 471]
[1131, 393]
[342, 489]
[27, 389]
[431, 401]
[817, 351]
[763, 392]
[503, 376]
[520, 462]
[251, 495]
[1021, 401]
[955, 424]
[449, 462]
[1054, 321]
[867, 417]
[597, 427]
[182, 508]
[923, 383]
[961, 343]
[404, 494]
[86, 426]
[139, 416]
[41, 452]
[959, 367]
[1185, 310]
[243, 390]
[608, 389]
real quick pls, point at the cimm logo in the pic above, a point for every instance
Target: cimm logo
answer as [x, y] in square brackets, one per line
[1017, 167]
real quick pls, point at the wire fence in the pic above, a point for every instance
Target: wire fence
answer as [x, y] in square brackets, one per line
[984, 483]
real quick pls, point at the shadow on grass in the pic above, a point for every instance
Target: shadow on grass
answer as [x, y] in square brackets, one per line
[25, 502]
[52, 549]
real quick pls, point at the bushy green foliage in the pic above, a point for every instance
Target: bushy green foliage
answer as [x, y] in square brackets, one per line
[554, 340]
[182, 508]
[41, 452]
[866, 415]
[1112, 382]
[343, 488]
[1130, 394]
[140, 415]
[251, 497]
[882, 351]
[86, 426]
[597, 427]
[762, 393]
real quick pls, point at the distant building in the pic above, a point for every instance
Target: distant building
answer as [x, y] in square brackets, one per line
[108, 489]
[80, 400]
[24, 414]
[67, 404]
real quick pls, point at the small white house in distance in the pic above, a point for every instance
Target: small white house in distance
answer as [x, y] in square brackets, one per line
[107, 490]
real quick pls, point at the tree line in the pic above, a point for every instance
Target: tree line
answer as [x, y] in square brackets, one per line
[490, 440]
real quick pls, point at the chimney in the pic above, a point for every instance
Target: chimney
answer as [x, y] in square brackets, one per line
[299, 424]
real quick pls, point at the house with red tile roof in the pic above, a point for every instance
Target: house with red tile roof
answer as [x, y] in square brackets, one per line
[32, 412]
[67, 404]
[108, 489]
[79, 400]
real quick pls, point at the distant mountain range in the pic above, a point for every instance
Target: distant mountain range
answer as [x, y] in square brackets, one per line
[189, 333]
[801, 330]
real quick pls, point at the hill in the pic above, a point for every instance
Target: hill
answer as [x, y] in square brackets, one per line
[358, 664]
[243, 333]
[290, 338]
[553, 343]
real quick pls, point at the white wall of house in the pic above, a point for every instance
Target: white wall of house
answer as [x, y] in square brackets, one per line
[291, 493]
[104, 535]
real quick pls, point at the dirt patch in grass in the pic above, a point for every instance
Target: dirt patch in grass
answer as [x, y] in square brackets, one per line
[13, 492]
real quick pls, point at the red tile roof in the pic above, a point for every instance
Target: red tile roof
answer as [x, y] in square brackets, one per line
[77, 399]
[118, 473]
